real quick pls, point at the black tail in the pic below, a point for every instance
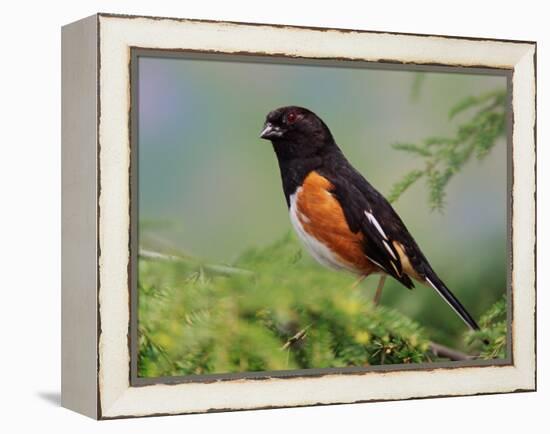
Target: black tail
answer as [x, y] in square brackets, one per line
[436, 283]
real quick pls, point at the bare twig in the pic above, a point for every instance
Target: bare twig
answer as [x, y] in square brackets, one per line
[220, 269]
[449, 353]
[297, 337]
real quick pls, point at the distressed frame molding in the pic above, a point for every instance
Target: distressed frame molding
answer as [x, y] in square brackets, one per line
[96, 215]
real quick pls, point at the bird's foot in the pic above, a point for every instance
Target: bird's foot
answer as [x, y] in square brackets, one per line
[378, 293]
[358, 281]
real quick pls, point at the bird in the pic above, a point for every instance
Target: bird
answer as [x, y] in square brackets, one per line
[340, 218]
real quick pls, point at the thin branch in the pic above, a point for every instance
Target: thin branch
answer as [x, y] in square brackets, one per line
[297, 337]
[449, 353]
[221, 269]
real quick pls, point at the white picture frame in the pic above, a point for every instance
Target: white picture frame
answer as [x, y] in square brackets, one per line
[96, 212]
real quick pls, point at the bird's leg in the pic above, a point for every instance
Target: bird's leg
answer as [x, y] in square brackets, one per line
[358, 281]
[378, 294]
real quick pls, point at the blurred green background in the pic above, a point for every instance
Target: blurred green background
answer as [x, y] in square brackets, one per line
[210, 192]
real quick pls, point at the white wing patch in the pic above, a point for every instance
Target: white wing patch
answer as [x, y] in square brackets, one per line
[372, 220]
[390, 251]
[375, 223]
[376, 263]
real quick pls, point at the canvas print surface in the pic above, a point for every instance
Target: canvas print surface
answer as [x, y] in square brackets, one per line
[299, 217]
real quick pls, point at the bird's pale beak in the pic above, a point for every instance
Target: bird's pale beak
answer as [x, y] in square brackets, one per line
[270, 131]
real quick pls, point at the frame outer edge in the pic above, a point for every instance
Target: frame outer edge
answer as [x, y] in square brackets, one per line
[79, 320]
[120, 399]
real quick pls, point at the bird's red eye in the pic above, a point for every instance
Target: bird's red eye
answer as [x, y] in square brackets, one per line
[291, 117]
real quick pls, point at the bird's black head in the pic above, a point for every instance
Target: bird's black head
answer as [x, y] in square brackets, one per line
[296, 132]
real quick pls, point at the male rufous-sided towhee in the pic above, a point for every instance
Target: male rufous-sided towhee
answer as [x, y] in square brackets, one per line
[342, 220]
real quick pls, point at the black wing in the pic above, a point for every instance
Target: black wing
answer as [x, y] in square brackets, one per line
[366, 210]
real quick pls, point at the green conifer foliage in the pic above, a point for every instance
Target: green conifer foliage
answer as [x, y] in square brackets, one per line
[444, 157]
